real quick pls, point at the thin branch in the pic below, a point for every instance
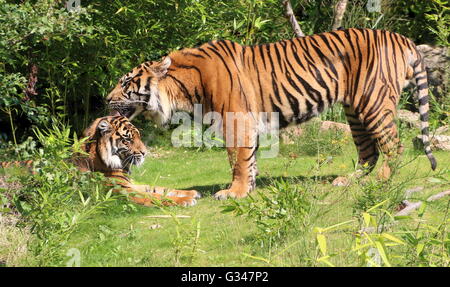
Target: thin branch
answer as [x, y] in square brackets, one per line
[291, 17]
[410, 207]
[439, 195]
[339, 12]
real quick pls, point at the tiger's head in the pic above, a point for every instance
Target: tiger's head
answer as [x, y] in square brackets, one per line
[137, 92]
[114, 143]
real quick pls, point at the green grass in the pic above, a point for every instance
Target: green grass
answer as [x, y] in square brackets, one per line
[124, 235]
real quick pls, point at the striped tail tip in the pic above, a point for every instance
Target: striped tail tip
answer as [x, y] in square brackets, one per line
[432, 161]
[430, 156]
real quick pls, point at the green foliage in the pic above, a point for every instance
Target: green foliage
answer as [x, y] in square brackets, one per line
[81, 54]
[281, 208]
[380, 244]
[22, 151]
[322, 144]
[57, 197]
[371, 243]
[185, 242]
[374, 191]
[428, 244]
[438, 14]
[429, 17]
[228, 240]
[37, 33]
[335, 113]
[440, 114]
[377, 239]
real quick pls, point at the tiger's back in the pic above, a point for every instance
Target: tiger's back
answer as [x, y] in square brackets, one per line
[301, 77]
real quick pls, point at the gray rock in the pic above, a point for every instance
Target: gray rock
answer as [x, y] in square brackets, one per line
[442, 130]
[340, 181]
[329, 125]
[437, 65]
[439, 195]
[289, 134]
[411, 119]
[410, 207]
[437, 142]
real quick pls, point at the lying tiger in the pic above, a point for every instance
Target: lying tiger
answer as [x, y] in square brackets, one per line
[114, 145]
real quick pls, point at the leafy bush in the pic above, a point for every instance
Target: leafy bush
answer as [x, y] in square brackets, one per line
[57, 197]
[379, 237]
[372, 192]
[382, 244]
[314, 142]
[281, 208]
[81, 54]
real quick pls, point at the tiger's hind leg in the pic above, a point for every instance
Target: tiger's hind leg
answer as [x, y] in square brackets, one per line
[365, 144]
[382, 127]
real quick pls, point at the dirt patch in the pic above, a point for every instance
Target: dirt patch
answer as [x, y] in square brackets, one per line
[4, 183]
[13, 241]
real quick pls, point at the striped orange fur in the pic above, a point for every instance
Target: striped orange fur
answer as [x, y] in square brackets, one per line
[364, 70]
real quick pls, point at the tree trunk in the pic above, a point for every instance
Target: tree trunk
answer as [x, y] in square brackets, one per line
[339, 12]
[291, 17]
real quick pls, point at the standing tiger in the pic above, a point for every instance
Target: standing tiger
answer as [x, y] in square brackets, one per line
[114, 144]
[364, 70]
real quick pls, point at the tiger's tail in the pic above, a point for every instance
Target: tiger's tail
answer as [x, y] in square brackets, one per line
[420, 77]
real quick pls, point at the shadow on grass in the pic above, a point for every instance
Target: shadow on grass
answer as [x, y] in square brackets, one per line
[265, 181]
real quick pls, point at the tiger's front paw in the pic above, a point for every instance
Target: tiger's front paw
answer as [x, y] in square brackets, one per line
[229, 193]
[222, 195]
[196, 194]
[341, 181]
[185, 201]
[182, 193]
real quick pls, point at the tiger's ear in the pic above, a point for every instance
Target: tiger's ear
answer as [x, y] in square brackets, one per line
[104, 127]
[92, 129]
[163, 66]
